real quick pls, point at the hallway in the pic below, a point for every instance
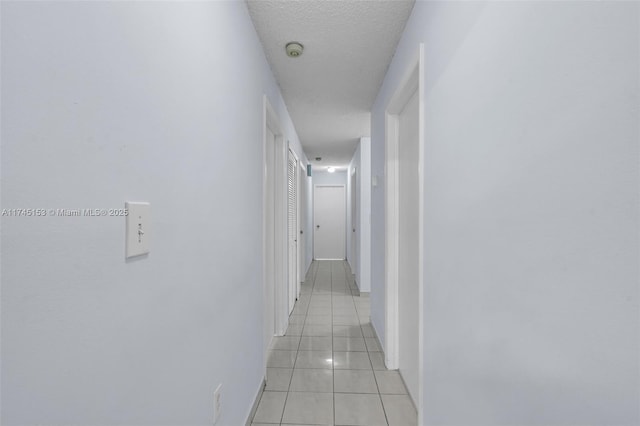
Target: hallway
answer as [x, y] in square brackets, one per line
[329, 369]
[162, 170]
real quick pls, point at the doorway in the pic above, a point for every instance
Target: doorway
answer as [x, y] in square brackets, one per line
[274, 249]
[269, 237]
[404, 207]
[408, 241]
[329, 217]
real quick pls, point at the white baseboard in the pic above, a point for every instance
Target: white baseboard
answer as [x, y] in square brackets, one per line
[254, 407]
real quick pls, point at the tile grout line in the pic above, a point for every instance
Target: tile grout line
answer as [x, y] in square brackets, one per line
[333, 361]
[372, 370]
[295, 361]
[334, 275]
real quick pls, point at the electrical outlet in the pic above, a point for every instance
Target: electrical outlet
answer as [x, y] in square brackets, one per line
[216, 403]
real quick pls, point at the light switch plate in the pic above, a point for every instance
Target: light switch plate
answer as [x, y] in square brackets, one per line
[138, 228]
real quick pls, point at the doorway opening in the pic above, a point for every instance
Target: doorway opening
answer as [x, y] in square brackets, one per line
[274, 241]
[404, 208]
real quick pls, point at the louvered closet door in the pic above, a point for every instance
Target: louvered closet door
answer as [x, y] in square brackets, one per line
[292, 228]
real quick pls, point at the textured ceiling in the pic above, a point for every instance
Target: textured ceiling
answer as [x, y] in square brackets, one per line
[330, 89]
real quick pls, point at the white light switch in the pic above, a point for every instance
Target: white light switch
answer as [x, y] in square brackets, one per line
[138, 228]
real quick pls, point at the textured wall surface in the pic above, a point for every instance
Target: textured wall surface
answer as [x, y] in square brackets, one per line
[531, 211]
[104, 102]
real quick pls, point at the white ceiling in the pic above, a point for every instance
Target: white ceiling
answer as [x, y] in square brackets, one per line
[330, 89]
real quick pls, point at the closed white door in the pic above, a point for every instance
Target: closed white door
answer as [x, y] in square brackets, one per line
[292, 215]
[302, 222]
[329, 217]
[354, 220]
[408, 246]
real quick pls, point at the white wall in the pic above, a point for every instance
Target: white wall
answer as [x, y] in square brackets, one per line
[531, 221]
[104, 102]
[361, 162]
[339, 177]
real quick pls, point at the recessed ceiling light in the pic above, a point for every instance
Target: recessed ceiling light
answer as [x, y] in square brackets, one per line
[294, 49]
[331, 169]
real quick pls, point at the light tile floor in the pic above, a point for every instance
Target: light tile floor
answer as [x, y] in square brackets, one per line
[328, 369]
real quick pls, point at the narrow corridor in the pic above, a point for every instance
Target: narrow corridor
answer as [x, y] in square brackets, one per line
[329, 369]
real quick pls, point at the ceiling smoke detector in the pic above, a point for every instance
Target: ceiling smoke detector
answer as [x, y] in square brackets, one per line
[294, 49]
[318, 158]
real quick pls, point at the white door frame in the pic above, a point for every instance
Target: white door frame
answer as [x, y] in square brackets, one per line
[344, 237]
[412, 82]
[280, 315]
